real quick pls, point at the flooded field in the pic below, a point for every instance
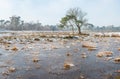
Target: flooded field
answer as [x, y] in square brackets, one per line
[35, 55]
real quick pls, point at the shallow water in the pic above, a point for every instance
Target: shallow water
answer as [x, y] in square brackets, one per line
[52, 56]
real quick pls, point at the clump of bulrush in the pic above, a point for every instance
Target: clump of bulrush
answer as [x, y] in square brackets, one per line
[67, 66]
[100, 54]
[14, 48]
[5, 73]
[108, 53]
[35, 59]
[105, 53]
[117, 59]
[68, 54]
[54, 47]
[37, 39]
[119, 49]
[82, 77]
[12, 69]
[115, 35]
[92, 49]
[83, 55]
[49, 40]
[89, 45]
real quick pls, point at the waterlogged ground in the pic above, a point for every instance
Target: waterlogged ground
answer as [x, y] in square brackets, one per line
[38, 57]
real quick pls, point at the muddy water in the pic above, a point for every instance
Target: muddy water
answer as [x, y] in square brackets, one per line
[51, 56]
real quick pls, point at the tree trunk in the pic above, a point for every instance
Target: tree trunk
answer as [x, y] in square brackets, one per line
[73, 30]
[72, 27]
[79, 30]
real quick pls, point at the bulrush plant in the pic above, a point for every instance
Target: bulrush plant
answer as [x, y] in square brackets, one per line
[117, 60]
[92, 49]
[54, 47]
[100, 54]
[42, 35]
[104, 53]
[36, 39]
[35, 59]
[68, 62]
[14, 48]
[68, 65]
[115, 35]
[119, 48]
[7, 46]
[68, 54]
[83, 55]
[90, 45]
[11, 69]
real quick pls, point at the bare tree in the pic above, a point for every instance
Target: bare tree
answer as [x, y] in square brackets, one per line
[75, 17]
[15, 22]
[2, 23]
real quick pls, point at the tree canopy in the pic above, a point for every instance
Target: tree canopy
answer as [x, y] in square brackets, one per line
[74, 17]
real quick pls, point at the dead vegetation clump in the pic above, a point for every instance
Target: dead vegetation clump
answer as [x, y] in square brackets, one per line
[83, 55]
[42, 35]
[12, 69]
[102, 35]
[35, 60]
[5, 73]
[14, 48]
[98, 35]
[108, 53]
[68, 37]
[49, 40]
[7, 45]
[37, 39]
[115, 35]
[90, 46]
[67, 66]
[119, 49]
[104, 53]
[92, 49]
[68, 54]
[54, 47]
[100, 54]
[117, 59]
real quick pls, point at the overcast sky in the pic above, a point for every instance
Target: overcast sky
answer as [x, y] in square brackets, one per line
[99, 12]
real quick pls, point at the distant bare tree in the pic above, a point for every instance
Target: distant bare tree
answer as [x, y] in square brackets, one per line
[15, 23]
[2, 23]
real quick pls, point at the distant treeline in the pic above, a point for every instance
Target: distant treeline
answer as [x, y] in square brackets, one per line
[15, 23]
[110, 28]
